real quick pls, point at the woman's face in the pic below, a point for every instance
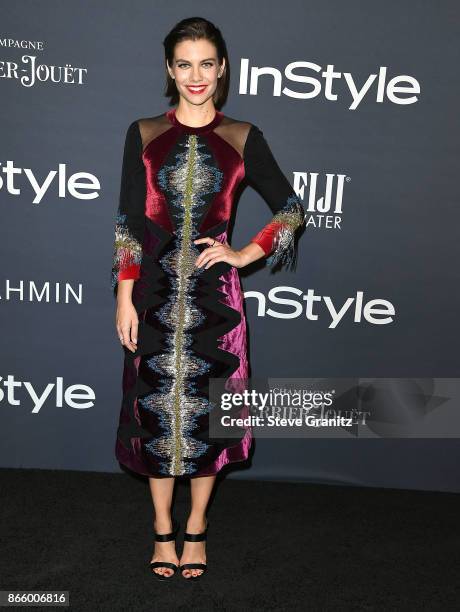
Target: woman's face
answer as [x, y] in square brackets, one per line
[195, 69]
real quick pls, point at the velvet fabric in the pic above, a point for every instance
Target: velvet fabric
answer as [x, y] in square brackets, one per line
[179, 184]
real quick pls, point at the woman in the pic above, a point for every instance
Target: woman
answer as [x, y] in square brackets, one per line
[180, 312]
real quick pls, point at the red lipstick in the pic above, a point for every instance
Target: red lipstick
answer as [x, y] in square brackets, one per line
[196, 89]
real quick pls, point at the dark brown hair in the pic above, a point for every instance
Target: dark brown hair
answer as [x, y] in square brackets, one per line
[195, 28]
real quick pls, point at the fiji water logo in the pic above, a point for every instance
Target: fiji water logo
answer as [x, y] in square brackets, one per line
[322, 197]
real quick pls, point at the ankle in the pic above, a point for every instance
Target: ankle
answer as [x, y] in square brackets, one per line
[162, 524]
[196, 523]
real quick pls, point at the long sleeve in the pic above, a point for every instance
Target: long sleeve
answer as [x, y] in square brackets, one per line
[130, 218]
[277, 238]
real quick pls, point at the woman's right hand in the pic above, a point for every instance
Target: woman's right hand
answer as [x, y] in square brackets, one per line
[127, 323]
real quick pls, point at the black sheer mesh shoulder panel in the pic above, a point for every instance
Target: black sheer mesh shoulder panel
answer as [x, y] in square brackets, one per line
[152, 127]
[234, 132]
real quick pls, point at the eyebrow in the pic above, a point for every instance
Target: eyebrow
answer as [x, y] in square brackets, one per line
[205, 60]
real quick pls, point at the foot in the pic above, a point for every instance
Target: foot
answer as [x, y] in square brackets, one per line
[164, 551]
[194, 552]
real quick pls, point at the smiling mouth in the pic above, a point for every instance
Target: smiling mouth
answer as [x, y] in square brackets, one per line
[196, 88]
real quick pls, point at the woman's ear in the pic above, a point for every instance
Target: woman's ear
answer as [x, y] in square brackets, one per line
[222, 67]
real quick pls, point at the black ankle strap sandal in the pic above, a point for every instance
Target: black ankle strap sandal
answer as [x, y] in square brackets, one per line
[195, 537]
[165, 537]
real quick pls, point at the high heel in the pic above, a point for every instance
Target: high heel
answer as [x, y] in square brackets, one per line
[195, 537]
[166, 537]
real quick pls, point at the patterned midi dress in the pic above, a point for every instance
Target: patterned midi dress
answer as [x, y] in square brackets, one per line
[178, 183]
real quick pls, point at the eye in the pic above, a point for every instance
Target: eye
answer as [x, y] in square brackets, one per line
[183, 65]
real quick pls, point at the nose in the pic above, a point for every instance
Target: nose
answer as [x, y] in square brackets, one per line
[196, 74]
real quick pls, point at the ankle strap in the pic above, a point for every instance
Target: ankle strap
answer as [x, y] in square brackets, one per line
[166, 537]
[196, 537]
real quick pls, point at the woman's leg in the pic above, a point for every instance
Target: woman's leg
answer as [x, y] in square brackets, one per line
[162, 493]
[194, 552]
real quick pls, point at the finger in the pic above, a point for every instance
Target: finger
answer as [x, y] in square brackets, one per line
[206, 239]
[212, 261]
[134, 329]
[211, 247]
[129, 345]
[218, 256]
[202, 257]
[126, 340]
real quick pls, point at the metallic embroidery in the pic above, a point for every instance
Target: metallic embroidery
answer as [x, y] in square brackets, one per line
[290, 218]
[127, 250]
[177, 404]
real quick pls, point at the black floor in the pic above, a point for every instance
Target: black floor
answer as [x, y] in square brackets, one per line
[271, 546]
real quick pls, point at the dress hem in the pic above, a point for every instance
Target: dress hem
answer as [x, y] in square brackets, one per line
[232, 454]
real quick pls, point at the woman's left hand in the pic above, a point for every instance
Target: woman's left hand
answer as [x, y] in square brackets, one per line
[219, 252]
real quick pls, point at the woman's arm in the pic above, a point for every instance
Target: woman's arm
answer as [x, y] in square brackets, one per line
[276, 240]
[130, 219]
[129, 234]
[278, 237]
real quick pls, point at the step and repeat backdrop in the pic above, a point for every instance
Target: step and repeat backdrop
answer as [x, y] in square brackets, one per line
[359, 103]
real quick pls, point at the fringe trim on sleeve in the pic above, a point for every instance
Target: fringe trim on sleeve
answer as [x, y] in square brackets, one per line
[289, 218]
[127, 250]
